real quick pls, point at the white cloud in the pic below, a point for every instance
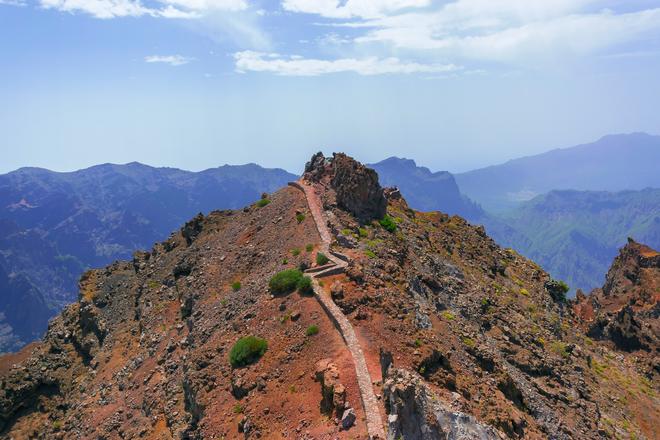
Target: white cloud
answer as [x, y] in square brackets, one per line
[351, 8]
[182, 9]
[172, 60]
[100, 8]
[518, 32]
[298, 66]
[13, 2]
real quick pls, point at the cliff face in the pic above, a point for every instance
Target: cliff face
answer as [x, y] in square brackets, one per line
[465, 331]
[626, 311]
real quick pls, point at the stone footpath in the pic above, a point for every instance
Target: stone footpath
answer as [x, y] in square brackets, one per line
[369, 400]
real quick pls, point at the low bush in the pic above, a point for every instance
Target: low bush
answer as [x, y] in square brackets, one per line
[236, 286]
[309, 247]
[321, 259]
[247, 350]
[305, 286]
[557, 290]
[285, 281]
[369, 253]
[363, 232]
[263, 202]
[300, 217]
[312, 330]
[295, 252]
[388, 223]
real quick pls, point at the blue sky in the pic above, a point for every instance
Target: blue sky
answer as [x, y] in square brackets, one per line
[198, 83]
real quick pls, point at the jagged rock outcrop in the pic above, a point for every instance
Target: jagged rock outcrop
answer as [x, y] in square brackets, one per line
[626, 310]
[355, 186]
[416, 413]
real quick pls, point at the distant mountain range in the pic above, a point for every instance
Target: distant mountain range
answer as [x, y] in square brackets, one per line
[424, 190]
[55, 225]
[576, 234]
[613, 163]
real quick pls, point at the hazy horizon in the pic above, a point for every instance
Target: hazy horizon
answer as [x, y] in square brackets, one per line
[456, 85]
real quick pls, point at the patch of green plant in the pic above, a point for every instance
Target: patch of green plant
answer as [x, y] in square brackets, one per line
[223, 302]
[300, 217]
[153, 284]
[295, 252]
[57, 425]
[560, 348]
[285, 261]
[418, 343]
[321, 259]
[236, 286]
[305, 286]
[346, 231]
[524, 292]
[598, 367]
[363, 233]
[309, 247]
[247, 350]
[369, 253]
[263, 202]
[449, 316]
[239, 409]
[285, 281]
[312, 330]
[285, 318]
[469, 342]
[388, 223]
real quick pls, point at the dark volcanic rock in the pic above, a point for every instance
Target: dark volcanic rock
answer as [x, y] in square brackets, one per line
[356, 187]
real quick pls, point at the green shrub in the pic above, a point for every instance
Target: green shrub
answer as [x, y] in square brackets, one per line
[557, 289]
[369, 253]
[524, 292]
[346, 231]
[469, 342]
[309, 247]
[305, 286]
[263, 202]
[295, 252]
[238, 409]
[418, 343]
[388, 223]
[312, 330]
[363, 232]
[285, 281]
[236, 286]
[449, 316]
[321, 259]
[247, 350]
[300, 217]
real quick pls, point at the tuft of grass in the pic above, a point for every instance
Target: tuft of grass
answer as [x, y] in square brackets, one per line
[449, 316]
[321, 259]
[560, 348]
[239, 409]
[247, 350]
[300, 217]
[312, 330]
[305, 286]
[363, 233]
[346, 231]
[418, 343]
[236, 286]
[309, 247]
[469, 342]
[388, 223]
[285, 281]
[369, 253]
[524, 292]
[263, 202]
[295, 252]
[153, 284]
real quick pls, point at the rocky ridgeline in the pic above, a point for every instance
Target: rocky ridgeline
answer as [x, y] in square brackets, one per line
[474, 341]
[626, 311]
[356, 187]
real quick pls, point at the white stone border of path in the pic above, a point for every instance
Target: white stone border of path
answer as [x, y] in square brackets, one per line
[369, 401]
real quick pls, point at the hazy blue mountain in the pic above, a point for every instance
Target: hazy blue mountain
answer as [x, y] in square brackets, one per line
[55, 225]
[613, 163]
[575, 234]
[424, 190]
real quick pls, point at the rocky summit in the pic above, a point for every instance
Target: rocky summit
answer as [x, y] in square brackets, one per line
[331, 310]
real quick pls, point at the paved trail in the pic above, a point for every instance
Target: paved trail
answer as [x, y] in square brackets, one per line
[369, 401]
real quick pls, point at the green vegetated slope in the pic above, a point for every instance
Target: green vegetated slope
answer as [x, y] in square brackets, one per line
[576, 234]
